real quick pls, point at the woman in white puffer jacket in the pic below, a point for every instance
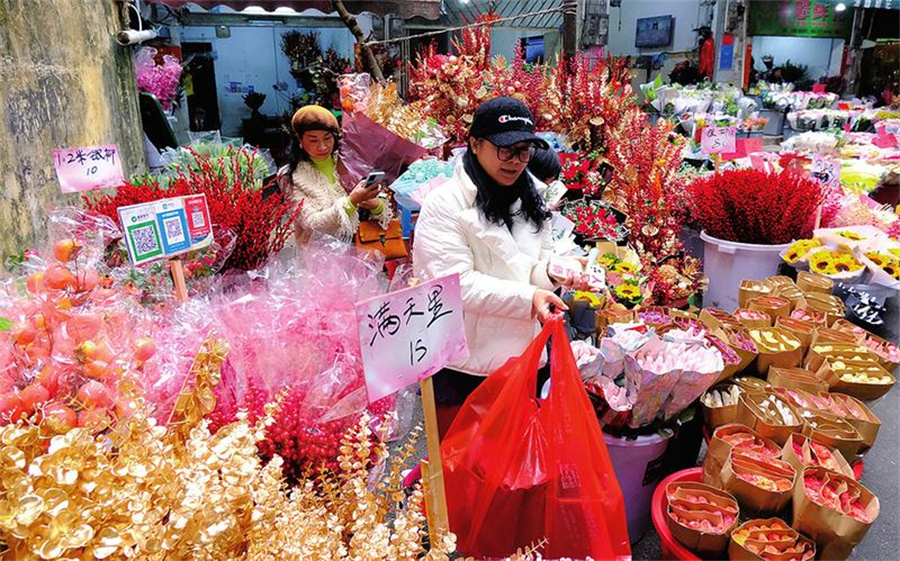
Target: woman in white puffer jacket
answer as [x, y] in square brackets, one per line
[489, 225]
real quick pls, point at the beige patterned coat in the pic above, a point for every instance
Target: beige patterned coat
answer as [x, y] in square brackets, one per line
[323, 205]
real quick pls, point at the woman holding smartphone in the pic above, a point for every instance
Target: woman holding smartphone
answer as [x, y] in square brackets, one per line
[313, 178]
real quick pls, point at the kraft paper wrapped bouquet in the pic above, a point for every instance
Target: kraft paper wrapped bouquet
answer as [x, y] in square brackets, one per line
[733, 436]
[834, 510]
[769, 540]
[701, 517]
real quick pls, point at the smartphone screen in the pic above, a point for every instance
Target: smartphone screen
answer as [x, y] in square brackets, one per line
[373, 177]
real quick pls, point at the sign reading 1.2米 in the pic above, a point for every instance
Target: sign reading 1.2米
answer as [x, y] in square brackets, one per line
[165, 228]
[89, 168]
[408, 335]
[718, 140]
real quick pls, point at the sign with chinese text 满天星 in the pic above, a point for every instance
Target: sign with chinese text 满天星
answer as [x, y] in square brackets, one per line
[89, 168]
[408, 335]
[718, 140]
[798, 18]
[165, 228]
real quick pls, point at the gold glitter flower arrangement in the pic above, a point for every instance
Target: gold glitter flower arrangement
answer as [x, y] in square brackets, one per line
[145, 491]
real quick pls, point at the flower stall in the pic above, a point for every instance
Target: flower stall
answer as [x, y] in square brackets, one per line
[235, 423]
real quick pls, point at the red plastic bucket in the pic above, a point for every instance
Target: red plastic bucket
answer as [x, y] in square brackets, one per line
[671, 549]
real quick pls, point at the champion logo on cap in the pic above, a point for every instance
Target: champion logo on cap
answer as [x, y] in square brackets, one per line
[508, 118]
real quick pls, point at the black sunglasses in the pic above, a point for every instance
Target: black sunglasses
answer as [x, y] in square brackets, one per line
[507, 153]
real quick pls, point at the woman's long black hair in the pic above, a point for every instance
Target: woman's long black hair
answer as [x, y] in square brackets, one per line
[298, 154]
[495, 201]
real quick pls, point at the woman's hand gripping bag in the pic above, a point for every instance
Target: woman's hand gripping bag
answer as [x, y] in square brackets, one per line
[519, 471]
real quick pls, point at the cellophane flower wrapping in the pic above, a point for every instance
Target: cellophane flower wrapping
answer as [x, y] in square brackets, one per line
[293, 335]
[161, 80]
[662, 375]
[72, 343]
[367, 145]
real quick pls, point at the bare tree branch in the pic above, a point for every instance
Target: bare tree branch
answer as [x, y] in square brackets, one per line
[368, 56]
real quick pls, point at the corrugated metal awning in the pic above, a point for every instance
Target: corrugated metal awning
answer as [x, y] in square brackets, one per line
[428, 9]
[460, 13]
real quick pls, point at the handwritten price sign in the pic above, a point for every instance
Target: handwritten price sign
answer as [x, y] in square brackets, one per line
[409, 335]
[718, 140]
[826, 171]
[86, 169]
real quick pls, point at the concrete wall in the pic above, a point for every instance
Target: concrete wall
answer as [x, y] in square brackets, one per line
[253, 57]
[64, 82]
[688, 15]
[505, 39]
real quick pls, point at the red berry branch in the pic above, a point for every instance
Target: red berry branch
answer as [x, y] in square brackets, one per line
[750, 206]
[262, 224]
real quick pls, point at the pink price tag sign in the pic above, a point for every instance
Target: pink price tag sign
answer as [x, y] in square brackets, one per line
[408, 335]
[718, 140]
[818, 88]
[885, 140]
[743, 148]
[89, 168]
[826, 171]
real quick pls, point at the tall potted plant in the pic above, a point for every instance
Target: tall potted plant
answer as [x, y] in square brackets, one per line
[746, 218]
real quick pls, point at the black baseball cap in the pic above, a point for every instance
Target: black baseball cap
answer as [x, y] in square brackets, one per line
[505, 121]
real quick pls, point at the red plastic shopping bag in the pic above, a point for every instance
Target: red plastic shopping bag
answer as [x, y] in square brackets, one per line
[519, 471]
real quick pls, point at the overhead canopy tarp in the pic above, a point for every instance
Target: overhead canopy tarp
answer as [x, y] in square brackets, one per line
[429, 9]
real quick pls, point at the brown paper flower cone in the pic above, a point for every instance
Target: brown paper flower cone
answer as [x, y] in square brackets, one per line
[814, 282]
[835, 533]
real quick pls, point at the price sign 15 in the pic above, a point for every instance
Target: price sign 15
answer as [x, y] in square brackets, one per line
[409, 335]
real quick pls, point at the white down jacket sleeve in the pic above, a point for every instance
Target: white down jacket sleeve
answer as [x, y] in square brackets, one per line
[441, 248]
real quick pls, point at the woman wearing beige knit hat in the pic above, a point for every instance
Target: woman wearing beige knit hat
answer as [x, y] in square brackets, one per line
[314, 178]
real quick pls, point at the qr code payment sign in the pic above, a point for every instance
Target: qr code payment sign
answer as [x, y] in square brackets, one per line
[145, 240]
[174, 231]
[197, 219]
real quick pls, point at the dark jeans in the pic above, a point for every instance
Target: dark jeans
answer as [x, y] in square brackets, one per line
[452, 387]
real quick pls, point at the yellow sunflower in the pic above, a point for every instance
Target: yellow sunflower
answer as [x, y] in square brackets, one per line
[800, 248]
[628, 291]
[822, 262]
[892, 268]
[878, 258]
[608, 260]
[592, 299]
[846, 261]
[895, 251]
[850, 235]
[625, 268]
